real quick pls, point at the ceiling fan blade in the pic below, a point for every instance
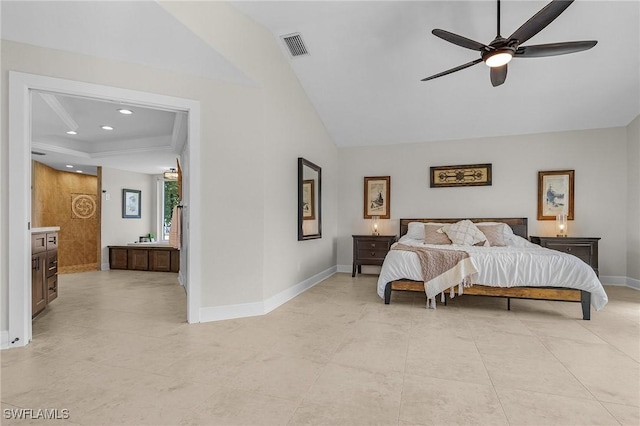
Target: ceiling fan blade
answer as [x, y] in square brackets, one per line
[498, 75]
[537, 22]
[553, 49]
[461, 67]
[459, 40]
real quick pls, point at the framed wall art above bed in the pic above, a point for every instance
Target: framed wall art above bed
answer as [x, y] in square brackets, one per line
[555, 194]
[377, 197]
[467, 175]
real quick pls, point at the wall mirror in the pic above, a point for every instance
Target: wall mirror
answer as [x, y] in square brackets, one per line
[309, 205]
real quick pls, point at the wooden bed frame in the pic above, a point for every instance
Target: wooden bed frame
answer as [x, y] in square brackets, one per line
[519, 226]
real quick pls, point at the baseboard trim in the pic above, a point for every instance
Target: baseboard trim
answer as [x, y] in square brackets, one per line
[243, 310]
[345, 268]
[4, 339]
[284, 296]
[613, 280]
[633, 283]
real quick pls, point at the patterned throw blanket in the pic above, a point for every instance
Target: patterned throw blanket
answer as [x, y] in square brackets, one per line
[442, 269]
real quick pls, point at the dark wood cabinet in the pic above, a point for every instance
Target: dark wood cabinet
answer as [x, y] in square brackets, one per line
[585, 248]
[138, 259]
[44, 270]
[370, 250]
[38, 283]
[157, 259]
[160, 260]
[118, 258]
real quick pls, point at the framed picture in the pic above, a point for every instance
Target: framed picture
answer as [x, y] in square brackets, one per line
[555, 194]
[131, 203]
[377, 197]
[308, 200]
[469, 175]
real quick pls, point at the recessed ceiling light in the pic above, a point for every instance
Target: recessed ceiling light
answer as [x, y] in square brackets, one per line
[125, 111]
[79, 171]
[106, 128]
[69, 166]
[72, 132]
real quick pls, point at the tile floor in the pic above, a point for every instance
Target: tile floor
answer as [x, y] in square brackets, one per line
[115, 349]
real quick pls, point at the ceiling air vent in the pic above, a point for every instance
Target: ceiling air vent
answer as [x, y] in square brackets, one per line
[295, 44]
[38, 153]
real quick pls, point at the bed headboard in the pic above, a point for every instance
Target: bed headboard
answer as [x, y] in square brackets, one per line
[518, 224]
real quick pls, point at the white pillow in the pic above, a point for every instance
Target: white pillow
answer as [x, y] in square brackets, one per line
[464, 233]
[507, 232]
[415, 230]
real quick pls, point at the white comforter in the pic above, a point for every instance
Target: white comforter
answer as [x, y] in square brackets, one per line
[520, 264]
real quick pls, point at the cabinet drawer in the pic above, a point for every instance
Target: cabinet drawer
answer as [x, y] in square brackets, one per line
[52, 241]
[582, 251]
[52, 263]
[52, 288]
[372, 245]
[373, 253]
[38, 243]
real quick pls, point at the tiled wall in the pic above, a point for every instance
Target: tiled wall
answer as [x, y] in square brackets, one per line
[52, 197]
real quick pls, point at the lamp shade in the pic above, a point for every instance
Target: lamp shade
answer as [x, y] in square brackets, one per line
[561, 225]
[374, 225]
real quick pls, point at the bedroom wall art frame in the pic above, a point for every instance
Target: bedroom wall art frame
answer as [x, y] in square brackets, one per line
[464, 175]
[308, 200]
[377, 197]
[555, 194]
[131, 204]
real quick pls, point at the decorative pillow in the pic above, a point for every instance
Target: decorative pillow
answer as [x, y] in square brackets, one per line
[495, 234]
[415, 231]
[464, 233]
[433, 234]
[507, 232]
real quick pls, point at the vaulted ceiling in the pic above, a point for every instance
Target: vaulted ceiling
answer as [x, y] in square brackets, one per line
[366, 60]
[365, 63]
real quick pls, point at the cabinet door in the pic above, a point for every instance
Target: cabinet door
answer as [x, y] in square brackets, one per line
[38, 283]
[138, 259]
[175, 261]
[117, 258]
[160, 260]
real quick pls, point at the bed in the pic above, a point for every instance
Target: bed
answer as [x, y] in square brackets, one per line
[510, 267]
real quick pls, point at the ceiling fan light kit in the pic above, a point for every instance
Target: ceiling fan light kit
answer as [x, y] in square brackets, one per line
[498, 58]
[500, 51]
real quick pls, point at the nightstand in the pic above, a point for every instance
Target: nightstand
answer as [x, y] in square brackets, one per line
[585, 248]
[370, 250]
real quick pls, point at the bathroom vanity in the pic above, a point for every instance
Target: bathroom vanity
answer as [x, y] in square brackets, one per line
[44, 267]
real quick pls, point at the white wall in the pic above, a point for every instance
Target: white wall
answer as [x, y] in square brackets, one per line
[275, 132]
[633, 195]
[251, 138]
[597, 156]
[115, 229]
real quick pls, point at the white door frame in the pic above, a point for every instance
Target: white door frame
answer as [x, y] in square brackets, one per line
[19, 253]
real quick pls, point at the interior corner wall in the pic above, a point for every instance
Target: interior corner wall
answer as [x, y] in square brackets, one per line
[289, 128]
[117, 230]
[599, 158]
[633, 195]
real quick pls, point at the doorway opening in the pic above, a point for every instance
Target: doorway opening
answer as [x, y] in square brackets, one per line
[21, 88]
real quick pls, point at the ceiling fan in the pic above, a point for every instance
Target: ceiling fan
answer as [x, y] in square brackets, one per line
[501, 50]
